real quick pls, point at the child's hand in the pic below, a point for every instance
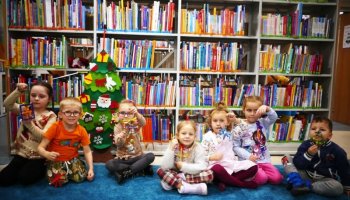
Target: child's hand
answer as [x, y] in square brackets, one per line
[22, 87]
[253, 157]
[262, 110]
[178, 165]
[231, 117]
[90, 175]
[28, 123]
[312, 150]
[121, 134]
[51, 155]
[133, 110]
[216, 156]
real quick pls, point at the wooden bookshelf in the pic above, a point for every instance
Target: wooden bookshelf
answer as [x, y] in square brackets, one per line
[245, 37]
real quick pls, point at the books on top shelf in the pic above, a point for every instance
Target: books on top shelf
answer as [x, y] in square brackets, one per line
[295, 24]
[132, 16]
[48, 14]
[223, 22]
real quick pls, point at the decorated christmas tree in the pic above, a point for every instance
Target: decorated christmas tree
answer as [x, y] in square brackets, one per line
[100, 100]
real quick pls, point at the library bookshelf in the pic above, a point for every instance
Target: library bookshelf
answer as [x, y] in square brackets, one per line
[177, 58]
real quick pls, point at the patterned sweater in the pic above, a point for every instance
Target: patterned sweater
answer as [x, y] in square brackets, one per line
[128, 146]
[29, 136]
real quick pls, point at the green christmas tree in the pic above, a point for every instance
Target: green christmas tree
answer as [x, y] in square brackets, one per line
[100, 100]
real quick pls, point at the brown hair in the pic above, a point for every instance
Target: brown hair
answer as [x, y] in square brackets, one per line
[218, 107]
[184, 123]
[325, 120]
[71, 101]
[254, 99]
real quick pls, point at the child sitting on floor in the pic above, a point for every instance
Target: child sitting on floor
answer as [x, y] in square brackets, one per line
[60, 145]
[320, 165]
[184, 166]
[130, 159]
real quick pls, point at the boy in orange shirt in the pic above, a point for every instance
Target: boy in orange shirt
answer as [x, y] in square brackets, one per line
[60, 146]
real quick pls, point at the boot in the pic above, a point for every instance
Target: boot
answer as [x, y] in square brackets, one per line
[121, 175]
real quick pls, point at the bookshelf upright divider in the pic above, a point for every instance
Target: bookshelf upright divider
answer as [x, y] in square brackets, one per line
[196, 53]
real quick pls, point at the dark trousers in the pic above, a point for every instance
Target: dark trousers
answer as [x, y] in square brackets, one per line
[22, 170]
[136, 164]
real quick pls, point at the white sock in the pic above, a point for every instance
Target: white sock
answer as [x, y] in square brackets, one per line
[197, 188]
[165, 186]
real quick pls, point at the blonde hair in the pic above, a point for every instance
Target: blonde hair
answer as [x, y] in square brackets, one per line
[254, 99]
[184, 123]
[218, 107]
[127, 101]
[69, 101]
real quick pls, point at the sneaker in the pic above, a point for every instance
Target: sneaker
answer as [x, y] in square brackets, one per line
[165, 186]
[296, 191]
[198, 188]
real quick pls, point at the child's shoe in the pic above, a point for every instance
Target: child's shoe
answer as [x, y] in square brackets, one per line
[284, 160]
[297, 185]
[198, 188]
[165, 186]
[122, 175]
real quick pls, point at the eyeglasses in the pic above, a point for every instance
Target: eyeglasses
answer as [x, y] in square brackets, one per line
[126, 114]
[68, 113]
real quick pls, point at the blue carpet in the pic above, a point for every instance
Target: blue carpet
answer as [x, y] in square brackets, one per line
[105, 187]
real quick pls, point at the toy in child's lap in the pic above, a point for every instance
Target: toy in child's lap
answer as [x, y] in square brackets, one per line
[26, 112]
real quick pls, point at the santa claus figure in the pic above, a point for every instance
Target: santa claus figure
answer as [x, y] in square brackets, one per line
[104, 101]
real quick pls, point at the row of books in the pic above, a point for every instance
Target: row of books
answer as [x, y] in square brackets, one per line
[126, 16]
[290, 128]
[208, 96]
[226, 57]
[134, 54]
[307, 95]
[158, 127]
[223, 22]
[296, 59]
[276, 24]
[39, 51]
[62, 14]
[148, 92]
[70, 86]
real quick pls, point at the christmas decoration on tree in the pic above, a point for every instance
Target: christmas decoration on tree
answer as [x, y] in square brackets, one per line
[100, 100]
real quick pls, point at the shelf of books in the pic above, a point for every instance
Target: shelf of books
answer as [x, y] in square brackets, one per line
[176, 59]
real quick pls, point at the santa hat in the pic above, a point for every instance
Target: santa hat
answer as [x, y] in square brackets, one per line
[105, 96]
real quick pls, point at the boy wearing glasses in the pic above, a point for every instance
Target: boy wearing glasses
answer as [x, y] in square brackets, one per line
[130, 159]
[60, 145]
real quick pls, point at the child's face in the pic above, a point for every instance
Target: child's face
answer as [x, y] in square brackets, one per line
[187, 135]
[319, 131]
[70, 114]
[39, 97]
[250, 111]
[125, 111]
[219, 121]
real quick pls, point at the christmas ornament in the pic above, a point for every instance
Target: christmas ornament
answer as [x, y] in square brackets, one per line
[104, 101]
[88, 79]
